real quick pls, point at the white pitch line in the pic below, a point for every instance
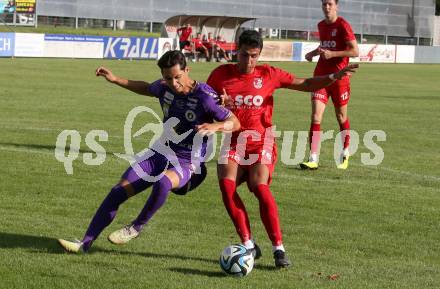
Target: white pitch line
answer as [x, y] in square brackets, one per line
[380, 167]
[410, 174]
[52, 129]
[23, 150]
[277, 175]
[43, 151]
[326, 180]
[434, 178]
[333, 181]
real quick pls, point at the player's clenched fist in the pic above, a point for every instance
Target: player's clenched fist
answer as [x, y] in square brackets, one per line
[106, 73]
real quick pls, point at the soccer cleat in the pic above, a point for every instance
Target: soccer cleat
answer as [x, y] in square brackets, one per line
[344, 164]
[281, 260]
[123, 236]
[256, 252]
[75, 246]
[309, 165]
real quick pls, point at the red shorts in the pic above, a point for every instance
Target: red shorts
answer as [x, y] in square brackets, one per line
[265, 157]
[339, 92]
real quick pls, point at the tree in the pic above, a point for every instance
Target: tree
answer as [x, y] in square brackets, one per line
[437, 7]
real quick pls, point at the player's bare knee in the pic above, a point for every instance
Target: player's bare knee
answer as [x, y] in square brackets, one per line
[253, 186]
[256, 179]
[341, 118]
[128, 188]
[173, 177]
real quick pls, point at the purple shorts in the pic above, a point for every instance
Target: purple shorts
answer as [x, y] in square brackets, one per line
[142, 174]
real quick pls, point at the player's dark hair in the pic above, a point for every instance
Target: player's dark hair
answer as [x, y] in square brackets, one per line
[250, 38]
[336, 1]
[171, 58]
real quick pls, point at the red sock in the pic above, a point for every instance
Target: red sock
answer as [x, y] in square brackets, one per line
[269, 213]
[345, 128]
[314, 137]
[235, 208]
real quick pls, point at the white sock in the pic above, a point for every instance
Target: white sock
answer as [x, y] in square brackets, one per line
[249, 244]
[280, 247]
[345, 152]
[313, 157]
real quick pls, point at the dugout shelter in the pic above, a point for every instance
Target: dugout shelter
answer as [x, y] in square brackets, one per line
[227, 27]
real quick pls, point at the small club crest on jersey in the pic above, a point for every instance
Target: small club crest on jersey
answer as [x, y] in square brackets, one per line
[334, 31]
[258, 82]
[190, 115]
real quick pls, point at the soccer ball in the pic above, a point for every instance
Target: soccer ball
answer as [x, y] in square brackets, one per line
[236, 260]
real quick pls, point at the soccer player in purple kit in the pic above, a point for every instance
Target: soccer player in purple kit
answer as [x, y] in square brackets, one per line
[194, 104]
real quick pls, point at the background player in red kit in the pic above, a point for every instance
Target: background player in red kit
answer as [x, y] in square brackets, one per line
[199, 46]
[338, 43]
[248, 89]
[184, 33]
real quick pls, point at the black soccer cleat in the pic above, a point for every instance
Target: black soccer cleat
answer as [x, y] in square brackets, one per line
[281, 260]
[256, 252]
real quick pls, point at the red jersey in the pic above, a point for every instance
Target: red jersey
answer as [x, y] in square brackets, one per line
[209, 43]
[185, 32]
[252, 95]
[334, 37]
[197, 42]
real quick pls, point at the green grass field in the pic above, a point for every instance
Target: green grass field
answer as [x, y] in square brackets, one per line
[372, 226]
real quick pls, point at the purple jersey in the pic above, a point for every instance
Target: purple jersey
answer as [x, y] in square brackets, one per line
[198, 107]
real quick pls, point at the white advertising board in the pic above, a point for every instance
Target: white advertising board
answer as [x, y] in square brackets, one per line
[166, 44]
[405, 53]
[69, 46]
[29, 45]
[376, 53]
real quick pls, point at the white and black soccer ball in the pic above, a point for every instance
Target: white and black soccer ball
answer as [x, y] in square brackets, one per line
[236, 260]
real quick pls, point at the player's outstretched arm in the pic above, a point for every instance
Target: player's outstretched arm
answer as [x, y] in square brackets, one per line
[309, 56]
[230, 124]
[318, 82]
[140, 87]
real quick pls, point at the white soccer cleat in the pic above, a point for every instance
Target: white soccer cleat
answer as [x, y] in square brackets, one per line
[123, 236]
[75, 246]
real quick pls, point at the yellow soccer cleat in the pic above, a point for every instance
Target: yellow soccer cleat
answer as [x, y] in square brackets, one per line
[123, 236]
[75, 246]
[309, 165]
[344, 164]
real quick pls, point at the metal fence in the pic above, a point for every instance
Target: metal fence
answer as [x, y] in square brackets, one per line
[388, 21]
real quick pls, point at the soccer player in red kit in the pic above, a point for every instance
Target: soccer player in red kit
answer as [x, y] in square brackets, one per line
[248, 91]
[184, 33]
[199, 46]
[338, 43]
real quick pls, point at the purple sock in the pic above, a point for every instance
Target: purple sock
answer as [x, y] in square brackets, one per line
[161, 190]
[104, 215]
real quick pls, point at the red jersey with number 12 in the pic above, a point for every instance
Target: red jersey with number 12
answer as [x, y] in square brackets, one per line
[333, 37]
[252, 95]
